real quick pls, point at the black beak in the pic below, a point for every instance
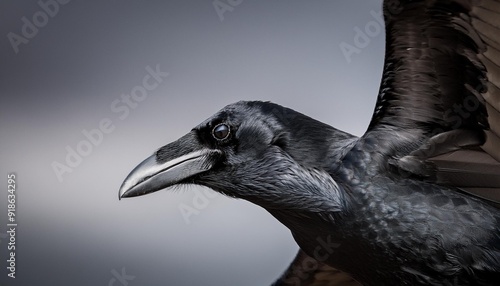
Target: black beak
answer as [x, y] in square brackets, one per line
[169, 165]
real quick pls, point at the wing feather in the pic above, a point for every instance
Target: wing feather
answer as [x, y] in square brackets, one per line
[438, 110]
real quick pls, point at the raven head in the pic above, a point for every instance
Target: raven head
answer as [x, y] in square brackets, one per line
[259, 151]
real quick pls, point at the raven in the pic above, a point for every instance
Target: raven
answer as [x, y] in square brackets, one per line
[414, 201]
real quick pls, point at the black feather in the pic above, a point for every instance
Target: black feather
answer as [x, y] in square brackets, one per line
[394, 207]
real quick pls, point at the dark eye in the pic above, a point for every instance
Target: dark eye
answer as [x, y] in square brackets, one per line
[221, 131]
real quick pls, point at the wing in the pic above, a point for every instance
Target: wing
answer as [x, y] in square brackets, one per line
[437, 115]
[306, 271]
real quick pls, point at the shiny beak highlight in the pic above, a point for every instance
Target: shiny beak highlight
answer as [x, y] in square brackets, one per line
[161, 171]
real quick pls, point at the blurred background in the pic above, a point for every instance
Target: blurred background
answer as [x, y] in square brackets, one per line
[91, 88]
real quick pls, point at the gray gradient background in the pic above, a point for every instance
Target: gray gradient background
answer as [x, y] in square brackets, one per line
[63, 81]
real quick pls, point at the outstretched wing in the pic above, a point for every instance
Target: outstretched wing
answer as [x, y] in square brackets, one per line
[438, 110]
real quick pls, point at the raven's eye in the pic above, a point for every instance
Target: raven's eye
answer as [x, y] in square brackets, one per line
[221, 131]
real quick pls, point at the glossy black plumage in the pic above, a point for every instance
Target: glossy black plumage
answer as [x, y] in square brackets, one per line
[397, 206]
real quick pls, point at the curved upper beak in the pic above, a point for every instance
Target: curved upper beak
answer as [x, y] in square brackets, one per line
[170, 165]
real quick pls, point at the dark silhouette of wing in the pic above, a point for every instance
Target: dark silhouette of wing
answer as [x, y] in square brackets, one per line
[438, 110]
